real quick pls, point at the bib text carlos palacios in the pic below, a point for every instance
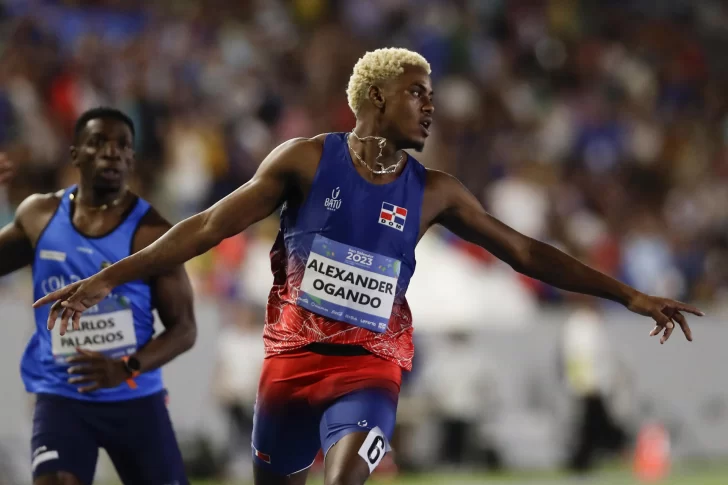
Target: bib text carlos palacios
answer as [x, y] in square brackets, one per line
[108, 327]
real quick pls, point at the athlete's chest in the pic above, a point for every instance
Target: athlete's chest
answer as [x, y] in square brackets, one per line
[95, 224]
[60, 247]
[63, 256]
[344, 207]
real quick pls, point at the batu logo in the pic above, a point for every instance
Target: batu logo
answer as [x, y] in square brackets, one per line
[334, 202]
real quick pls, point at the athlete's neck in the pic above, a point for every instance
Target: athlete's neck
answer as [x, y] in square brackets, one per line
[368, 150]
[99, 198]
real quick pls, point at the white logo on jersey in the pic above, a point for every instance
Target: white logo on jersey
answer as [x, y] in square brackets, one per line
[53, 283]
[52, 255]
[334, 202]
[82, 249]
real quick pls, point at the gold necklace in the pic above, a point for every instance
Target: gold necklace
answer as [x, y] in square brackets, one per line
[381, 142]
[102, 207]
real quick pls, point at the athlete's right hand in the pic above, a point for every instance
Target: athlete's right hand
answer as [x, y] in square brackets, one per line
[7, 169]
[72, 300]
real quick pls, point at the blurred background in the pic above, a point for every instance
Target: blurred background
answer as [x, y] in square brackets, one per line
[599, 127]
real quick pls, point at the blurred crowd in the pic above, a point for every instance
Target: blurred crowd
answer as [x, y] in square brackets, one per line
[600, 127]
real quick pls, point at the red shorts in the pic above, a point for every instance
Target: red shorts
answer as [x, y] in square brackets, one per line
[308, 401]
[302, 375]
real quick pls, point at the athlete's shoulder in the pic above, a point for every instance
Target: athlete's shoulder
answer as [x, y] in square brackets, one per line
[36, 212]
[302, 141]
[37, 204]
[439, 180]
[295, 159]
[38, 207]
[296, 148]
[442, 190]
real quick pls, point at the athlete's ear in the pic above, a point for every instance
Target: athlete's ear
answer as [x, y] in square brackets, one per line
[376, 96]
[74, 155]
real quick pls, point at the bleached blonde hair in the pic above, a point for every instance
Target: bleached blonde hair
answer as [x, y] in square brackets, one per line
[379, 65]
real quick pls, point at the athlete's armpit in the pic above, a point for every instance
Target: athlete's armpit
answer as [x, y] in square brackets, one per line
[459, 211]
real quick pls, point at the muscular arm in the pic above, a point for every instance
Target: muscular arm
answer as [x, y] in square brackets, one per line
[172, 296]
[16, 246]
[252, 202]
[465, 216]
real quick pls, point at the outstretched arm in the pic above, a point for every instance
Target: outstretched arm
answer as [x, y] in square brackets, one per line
[465, 216]
[252, 202]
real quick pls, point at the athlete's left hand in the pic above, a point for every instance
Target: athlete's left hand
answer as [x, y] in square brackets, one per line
[96, 369]
[665, 312]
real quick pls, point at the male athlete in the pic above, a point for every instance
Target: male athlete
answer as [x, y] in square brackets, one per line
[338, 328]
[100, 385]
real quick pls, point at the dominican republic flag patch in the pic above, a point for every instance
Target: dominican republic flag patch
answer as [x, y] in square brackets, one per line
[393, 216]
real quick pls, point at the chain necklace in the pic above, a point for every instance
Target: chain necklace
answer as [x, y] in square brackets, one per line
[381, 142]
[102, 207]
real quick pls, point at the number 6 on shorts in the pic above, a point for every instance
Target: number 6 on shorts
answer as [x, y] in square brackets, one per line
[374, 448]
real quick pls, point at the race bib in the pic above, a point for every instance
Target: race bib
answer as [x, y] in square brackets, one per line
[349, 285]
[111, 333]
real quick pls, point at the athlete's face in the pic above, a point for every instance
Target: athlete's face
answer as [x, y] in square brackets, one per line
[407, 109]
[104, 154]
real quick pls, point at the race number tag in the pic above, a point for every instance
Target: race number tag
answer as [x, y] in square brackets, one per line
[349, 285]
[374, 448]
[110, 333]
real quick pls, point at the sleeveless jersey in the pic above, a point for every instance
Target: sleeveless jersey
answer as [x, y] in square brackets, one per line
[343, 259]
[117, 326]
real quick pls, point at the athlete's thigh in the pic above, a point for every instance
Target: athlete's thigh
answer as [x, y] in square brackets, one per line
[285, 438]
[285, 424]
[355, 434]
[63, 448]
[141, 443]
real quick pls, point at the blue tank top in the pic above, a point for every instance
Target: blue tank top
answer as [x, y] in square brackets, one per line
[117, 326]
[348, 259]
